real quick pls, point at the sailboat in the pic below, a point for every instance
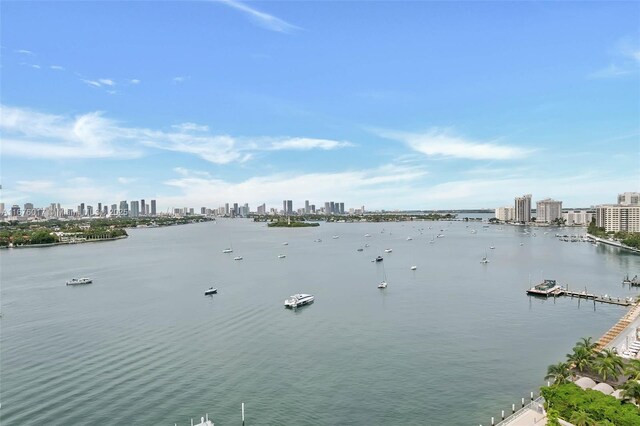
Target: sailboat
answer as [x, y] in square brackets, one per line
[383, 284]
[228, 250]
[484, 259]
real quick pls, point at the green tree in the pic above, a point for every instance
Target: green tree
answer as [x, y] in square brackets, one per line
[631, 391]
[559, 373]
[608, 364]
[581, 418]
[581, 358]
[632, 369]
[586, 343]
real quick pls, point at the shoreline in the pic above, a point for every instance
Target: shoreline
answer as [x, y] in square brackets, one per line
[99, 240]
[612, 243]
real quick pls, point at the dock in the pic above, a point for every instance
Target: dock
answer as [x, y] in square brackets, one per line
[619, 327]
[549, 288]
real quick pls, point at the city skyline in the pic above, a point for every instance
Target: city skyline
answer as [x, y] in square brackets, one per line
[417, 105]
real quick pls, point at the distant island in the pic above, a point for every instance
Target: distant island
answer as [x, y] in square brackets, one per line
[291, 224]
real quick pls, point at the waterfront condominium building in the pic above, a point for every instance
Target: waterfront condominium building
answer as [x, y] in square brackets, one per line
[523, 208]
[629, 199]
[143, 210]
[618, 217]
[578, 217]
[135, 209]
[153, 207]
[505, 214]
[306, 207]
[124, 209]
[548, 210]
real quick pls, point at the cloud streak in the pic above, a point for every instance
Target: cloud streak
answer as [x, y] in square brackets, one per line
[443, 143]
[262, 19]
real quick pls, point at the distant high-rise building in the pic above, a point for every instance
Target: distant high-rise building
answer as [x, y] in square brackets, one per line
[523, 208]
[313, 208]
[548, 210]
[614, 218]
[307, 209]
[284, 206]
[332, 207]
[236, 212]
[105, 211]
[143, 212]
[114, 210]
[81, 210]
[262, 209]
[341, 208]
[28, 209]
[153, 207]
[203, 210]
[124, 209]
[226, 209]
[15, 210]
[69, 212]
[289, 206]
[89, 210]
[627, 199]
[99, 209]
[506, 214]
[134, 209]
[191, 211]
[327, 207]
[2, 212]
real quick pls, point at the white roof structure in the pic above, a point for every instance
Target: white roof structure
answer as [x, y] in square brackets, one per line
[585, 383]
[604, 388]
[617, 393]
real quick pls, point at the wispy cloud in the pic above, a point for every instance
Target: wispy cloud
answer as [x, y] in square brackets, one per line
[305, 144]
[134, 81]
[25, 52]
[262, 19]
[612, 71]
[180, 79]
[92, 83]
[106, 82]
[443, 143]
[625, 60]
[33, 134]
[57, 67]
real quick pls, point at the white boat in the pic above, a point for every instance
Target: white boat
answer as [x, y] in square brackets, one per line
[282, 256]
[335, 237]
[388, 250]
[79, 281]
[318, 240]
[298, 300]
[285, 243]
[409, 238]
[413, 268]
[210, 291]
[484, 259]
[237, 258]
[367, 235]
[227, 250]
[440, 235]
[383, 284]
[492, 247]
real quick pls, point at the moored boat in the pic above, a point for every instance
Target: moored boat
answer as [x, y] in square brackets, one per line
[545, 289]
[211, 291]
[298, 300]
[379, 259]
[79, 281]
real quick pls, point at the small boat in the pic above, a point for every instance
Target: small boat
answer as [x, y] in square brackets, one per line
[388, 250]
[298, 300]
[237, 258]
[367, 235]
[318, 240]
[211, 291]
[484, 259]
[79, 281]
[383, 284]
[409, 238]
[227, 250]
[367, 245]
[521, 244]
[440, 235]
[379, 259]
[360, 249]
[492, 247]
[335, 237]
[285, 243]
[282, 256]
[413, 268]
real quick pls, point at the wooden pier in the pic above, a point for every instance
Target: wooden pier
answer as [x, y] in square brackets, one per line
[561, 291]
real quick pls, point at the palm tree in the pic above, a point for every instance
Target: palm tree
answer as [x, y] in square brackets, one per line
[633, 369]
[608, 363]
[580, 418]
[631, 391]
[587, 344]
[559, 373]
[581, 358]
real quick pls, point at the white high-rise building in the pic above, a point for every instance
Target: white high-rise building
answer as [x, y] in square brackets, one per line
[505, 214]
[629, 199]
[523, 208]
[614, 218]
[548, 210]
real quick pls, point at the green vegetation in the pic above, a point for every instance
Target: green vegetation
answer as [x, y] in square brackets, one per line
[630, 239]
[589, 407]
[595, 231]
[284, 224]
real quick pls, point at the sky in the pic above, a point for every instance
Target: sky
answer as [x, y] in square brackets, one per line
[391, 105]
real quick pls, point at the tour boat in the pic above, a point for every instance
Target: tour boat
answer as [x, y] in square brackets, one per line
[298, 300]
[210, 291]
[78, 281]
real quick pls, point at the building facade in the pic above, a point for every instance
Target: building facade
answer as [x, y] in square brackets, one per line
[523, 208]
[614, 218]
[548, 210]
[506, 214]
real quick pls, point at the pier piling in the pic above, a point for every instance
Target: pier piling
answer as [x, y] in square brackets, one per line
[492, 422]
[502, 414]
[513, 408]
[243, 414]
[522, 402]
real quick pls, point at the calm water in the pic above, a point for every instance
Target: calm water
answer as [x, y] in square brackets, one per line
[453, 342]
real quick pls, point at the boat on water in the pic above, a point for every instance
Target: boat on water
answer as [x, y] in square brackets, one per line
[413, 268]
[367, 245]
[388, 250]
[228, 250]
[298, 300]
[335, 237]
[440, 236]
[237, 258]
[282, 256]
[367, 235]
[485, 259]
[79, 281]
[379, 259]
[383, 283]
[633, 281]
[285, 243]
[409, 238]
[211, 291]
[360, 249]
[545, 289]
[317, 240]
[492, 247]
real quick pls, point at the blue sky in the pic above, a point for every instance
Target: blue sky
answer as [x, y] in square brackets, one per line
[407, 105]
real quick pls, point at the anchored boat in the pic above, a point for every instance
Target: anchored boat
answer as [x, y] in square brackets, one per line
[79, 281]
[298, 300]
[211, 291]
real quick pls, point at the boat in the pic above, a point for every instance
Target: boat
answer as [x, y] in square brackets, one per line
[545, 289]
[335, 237]
[440, 236]
[367, 235]
[379, 259]
[367, 245]
[360, 249]
[413, 268]
[383, 283]
[484, 259]
[211, 291]
[79, 281]
[298, 300]
[388, 250]
[409, 238]
[285, 243]
[492, 247]
[282, 256]
[237, 258]
[633, 281]
[317, 240]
